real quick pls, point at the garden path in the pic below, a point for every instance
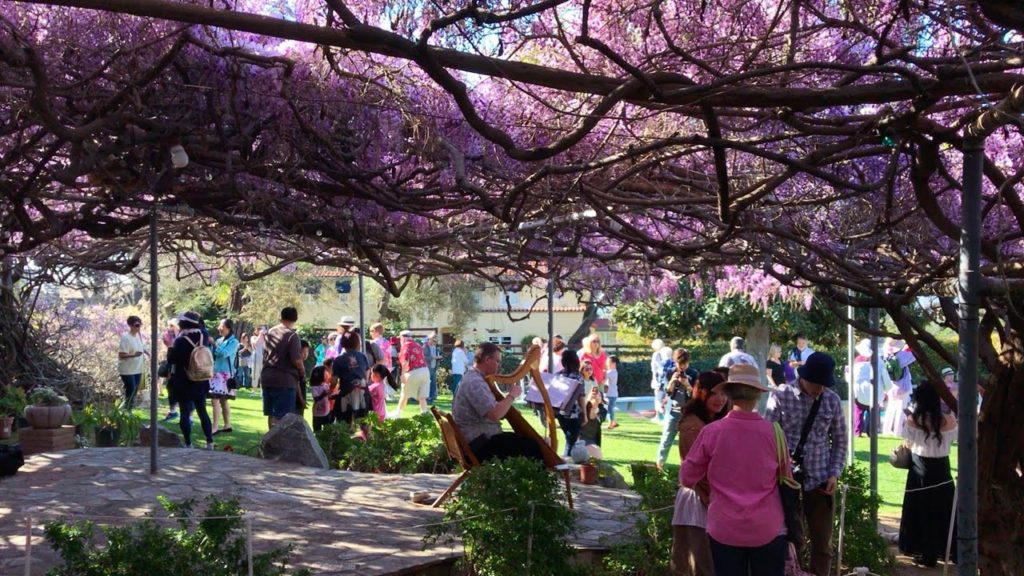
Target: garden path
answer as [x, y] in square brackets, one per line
[340, 522]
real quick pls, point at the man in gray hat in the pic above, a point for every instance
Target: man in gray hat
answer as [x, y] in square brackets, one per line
[811, 416]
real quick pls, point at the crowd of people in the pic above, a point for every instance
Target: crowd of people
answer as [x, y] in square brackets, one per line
[742, 427]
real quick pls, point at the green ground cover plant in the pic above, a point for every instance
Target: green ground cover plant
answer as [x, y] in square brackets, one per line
[212, 546]
[511, 517]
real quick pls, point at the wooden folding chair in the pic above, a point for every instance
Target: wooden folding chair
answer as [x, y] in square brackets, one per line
[457, 448]
[460, 451]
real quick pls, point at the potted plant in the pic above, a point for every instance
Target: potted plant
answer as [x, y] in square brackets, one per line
[12, 402]
[588, 471]
[47, 408]
[112, 425]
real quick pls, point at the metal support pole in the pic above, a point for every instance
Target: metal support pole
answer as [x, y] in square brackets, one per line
[362, 316]
[551, 319]
[153, 341]
[850, 410]
[873, 415]
[967, 436]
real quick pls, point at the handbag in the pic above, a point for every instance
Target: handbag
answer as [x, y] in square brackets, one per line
[789, 490]
[900, 457]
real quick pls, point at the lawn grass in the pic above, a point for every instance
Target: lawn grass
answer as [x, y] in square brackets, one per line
[636, 439]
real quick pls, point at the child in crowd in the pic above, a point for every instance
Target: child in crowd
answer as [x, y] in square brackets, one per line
[589, 382]
[611, 389]
[320, 388]
[380, 378]
[590, 432]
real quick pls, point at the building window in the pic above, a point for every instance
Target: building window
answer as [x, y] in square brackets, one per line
[503, 341]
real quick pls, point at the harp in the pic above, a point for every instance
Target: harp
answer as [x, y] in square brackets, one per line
[531, 366]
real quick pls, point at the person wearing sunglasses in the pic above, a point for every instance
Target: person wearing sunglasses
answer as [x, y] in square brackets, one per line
[131, 359]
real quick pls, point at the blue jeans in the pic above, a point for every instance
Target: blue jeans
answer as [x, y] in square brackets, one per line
[571, 429]
[432, 395]
[192, 396]
[456, 380]
[131, 386]
[245, 377]
[767, 560]
[668, 433]
[611, 407]
[278, 402]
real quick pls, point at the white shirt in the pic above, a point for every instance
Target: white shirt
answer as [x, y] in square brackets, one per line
[130, 345]
[612, 380]
[928, 447]
[557, 362]
[862, 382]
[459, 361]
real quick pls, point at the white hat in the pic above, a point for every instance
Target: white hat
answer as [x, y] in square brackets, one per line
[864, 347]
[658, 344]
[405, 334]
[347, 321]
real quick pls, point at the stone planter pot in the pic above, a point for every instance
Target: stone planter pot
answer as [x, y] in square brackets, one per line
[46, 417]
[6, 425]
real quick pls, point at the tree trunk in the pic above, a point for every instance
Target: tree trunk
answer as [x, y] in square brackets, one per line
[1001, 460]
[757, 341]
[589, 316]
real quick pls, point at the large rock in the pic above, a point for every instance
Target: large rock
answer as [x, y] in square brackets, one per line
[164, 438]
[292, 440]
[610, 478]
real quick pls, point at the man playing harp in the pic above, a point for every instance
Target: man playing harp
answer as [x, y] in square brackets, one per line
[478, 414]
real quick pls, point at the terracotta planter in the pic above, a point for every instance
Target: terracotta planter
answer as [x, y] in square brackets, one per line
[45, 417]
[588, 474]
[6, 425]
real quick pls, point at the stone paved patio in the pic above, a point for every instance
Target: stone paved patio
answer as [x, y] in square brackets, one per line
[340, 522]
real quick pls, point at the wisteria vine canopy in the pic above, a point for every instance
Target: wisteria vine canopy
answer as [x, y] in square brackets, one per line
[814, 141]
[768, 144]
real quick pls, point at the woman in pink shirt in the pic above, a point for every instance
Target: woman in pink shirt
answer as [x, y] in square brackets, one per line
[737, 456]
[593, 353]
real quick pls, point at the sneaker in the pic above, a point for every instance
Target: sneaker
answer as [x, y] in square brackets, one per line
[209, 446]
[171, 416]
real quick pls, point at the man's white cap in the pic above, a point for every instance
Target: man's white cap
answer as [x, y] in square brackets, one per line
[405, 334]
[347, 321]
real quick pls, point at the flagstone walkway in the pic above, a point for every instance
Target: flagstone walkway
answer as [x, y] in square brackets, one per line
[340, 522]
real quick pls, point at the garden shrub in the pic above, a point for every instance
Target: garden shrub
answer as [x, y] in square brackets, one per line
[496, 511]
[216, 547]
[862, 544]
[402, 446]
[650, 551]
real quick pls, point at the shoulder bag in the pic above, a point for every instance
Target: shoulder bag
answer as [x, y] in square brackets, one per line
[900, 457]
[789, 490]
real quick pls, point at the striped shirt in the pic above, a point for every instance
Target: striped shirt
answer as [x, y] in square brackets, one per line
[825, 449]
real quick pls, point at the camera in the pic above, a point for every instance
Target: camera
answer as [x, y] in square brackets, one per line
[799, 474]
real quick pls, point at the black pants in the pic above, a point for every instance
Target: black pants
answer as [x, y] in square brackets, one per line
[505, 445]
[767, 560]
[192, 396]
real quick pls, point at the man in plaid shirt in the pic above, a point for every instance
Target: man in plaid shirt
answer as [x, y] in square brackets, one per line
[824, 451]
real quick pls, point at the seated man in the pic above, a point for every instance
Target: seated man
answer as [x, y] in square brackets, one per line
[478, 415]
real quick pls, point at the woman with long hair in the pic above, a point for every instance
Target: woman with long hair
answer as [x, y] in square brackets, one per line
[569, 417]
[593, 352]
[691, 553]
[924, 524]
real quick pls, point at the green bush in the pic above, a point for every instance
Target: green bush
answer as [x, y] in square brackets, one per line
[402, 446]
[511, 519]
[650, 552]
[862, 544]
[215, 547]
